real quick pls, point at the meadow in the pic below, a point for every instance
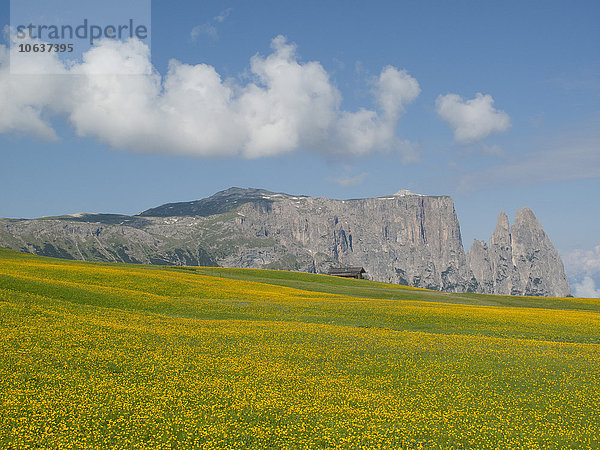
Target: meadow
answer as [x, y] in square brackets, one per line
[98, 355]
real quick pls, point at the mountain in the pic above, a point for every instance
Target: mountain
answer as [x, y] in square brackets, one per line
[404, 238]
[520, 260]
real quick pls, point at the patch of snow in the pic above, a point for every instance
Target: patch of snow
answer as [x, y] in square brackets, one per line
[405, 192]
[81, 214]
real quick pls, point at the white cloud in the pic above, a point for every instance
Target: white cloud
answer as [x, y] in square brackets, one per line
[223, 15]
[493, 150]
[583, 268]
[575, 159]
[586, 289]
[210, 28]
[583, 262]
[26, 98]
[471, 120]
[360, 132]
[291, 104]
[191, 110]
[206, 29]
[395, 89]
[348, 181]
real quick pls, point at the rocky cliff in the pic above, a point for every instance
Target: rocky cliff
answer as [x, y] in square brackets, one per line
[519, 261]
[403, 238]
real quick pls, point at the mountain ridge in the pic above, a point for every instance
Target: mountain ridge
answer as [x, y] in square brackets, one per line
[404, 238]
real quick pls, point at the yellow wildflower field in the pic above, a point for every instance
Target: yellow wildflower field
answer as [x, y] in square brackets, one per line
[99, 355]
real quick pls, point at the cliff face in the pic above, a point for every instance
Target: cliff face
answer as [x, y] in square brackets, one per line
[538, 263]
[101, 240]
[519, 261]
[407, 239]
[404, 238]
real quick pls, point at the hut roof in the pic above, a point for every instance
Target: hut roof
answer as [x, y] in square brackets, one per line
[346, 271]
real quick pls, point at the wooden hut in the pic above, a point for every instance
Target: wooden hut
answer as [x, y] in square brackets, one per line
[347, 272]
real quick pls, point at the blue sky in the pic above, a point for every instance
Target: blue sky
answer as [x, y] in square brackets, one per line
[494, 103]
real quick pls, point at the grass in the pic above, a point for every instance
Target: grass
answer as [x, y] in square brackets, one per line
[378, 290]
[131, 356]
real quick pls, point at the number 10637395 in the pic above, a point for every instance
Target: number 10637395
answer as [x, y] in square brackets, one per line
[39, 48]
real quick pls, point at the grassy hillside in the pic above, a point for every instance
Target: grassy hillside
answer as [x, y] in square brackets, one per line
[130, 356]
[377, 290]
